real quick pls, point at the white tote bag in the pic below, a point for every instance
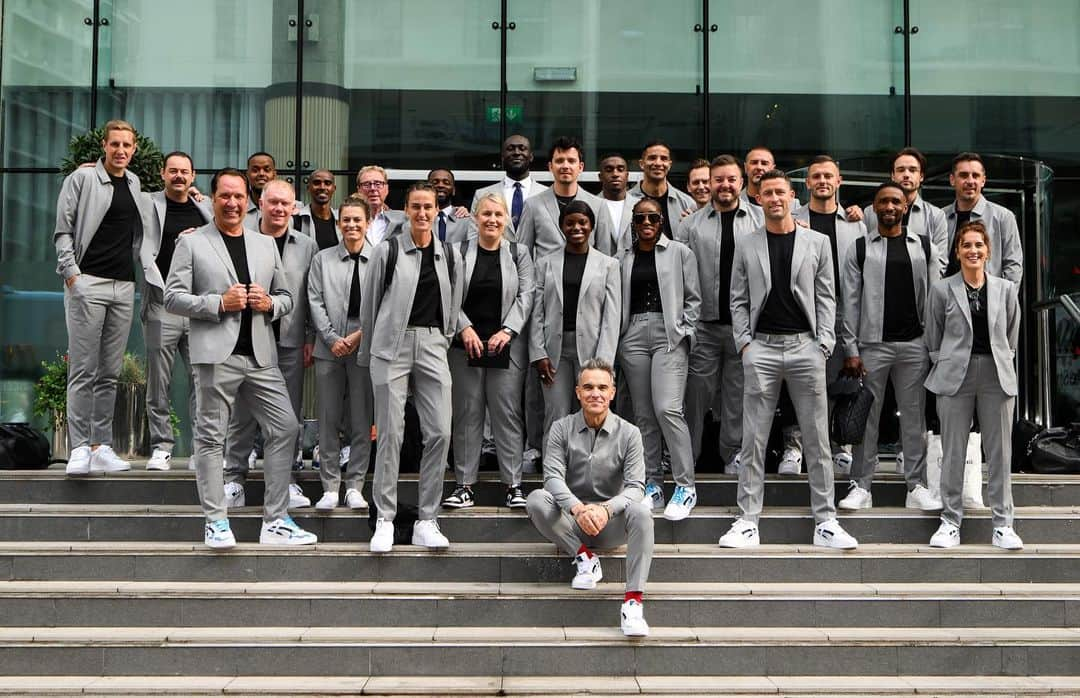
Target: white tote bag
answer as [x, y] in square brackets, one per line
[973, 473]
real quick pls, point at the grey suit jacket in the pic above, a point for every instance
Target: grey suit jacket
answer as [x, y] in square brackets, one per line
[599, 309]
[1006, 255]
[296, 329]
[539, 230]
[329, 286]
[680, 292]
[202, 272]
[701, 232]
[497, 188]
[925, 219]
[516, 302]
[864, 289]
[621, 237]
[153, 221]
[395, 220]
[811, 284]
[678, 202]
[307, 221]
[85, 197]
[949, 336]
[384, 312]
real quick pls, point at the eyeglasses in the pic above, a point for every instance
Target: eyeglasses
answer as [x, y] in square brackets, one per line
[640, 218]
[376, 184]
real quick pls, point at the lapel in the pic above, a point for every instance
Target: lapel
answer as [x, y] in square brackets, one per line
[554, 272]
[760, 244]
[551, 205]
[994, 300]
[470, 265]
[509, 277]
[592, 264]
[442, 272]
[213, 235]
[956, 283]
[799, 256]
[627, 269]
[661, 258]
[158, 199]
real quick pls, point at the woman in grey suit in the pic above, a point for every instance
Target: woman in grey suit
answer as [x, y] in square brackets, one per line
[335, 281]
[576, 311]
[662, 301]
[971, 331]
[487, 361]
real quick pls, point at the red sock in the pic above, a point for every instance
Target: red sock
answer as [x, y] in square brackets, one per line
[583, 549]
[633, 596]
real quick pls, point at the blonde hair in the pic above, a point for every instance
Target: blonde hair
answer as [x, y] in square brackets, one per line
[117, 125]
[491, 196]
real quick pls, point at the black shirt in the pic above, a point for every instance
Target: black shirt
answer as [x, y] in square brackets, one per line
[644, 286]
[900, 322]
[980, 323]
[483, 305]
[110, 254]
[825, 223]
[177, 217]
[564, 200]
[781, 314]
[354, 288]
[662, 201]
[427, 304]
[238, 253]
[572, 271]
[727, 259]
[954, 260]
[325, 232]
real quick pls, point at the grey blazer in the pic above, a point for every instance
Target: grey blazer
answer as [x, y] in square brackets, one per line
[599, 309]
[202, 272]
[395, 220]
[329, 285]
[85, 197]
[949, 335]
[1006, 255]
[539, 230]
[517, 294]
[384, 312]
[701, 232]
[680, 293]
[153, 220]
[864, 289]
[925, 219]
[811, 284]
[497, 188]
[296, 329]
[678, 202]
[620, 236]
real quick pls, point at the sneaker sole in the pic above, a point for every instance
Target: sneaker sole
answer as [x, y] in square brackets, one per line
[585, 587]
[943, 546]
[220, 546]
[325, 508]
[365, 507]
[287, 542]
[677, 517]
[833, 546]
[378, 549]
[76, 473]
[635, 633]
[109, 470]
[1002, 547]
[448, 505]
[157, 467]
[733, 546]
[851, 507]
[440, 546]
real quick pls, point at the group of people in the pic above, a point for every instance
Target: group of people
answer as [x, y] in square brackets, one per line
[523, 316]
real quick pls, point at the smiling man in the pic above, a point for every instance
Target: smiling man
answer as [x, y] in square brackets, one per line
[655, 164]
[318, 219]
[517, 184]
[968, 178]
[261, 169]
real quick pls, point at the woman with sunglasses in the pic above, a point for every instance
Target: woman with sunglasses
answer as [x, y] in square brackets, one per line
[662, 300]
[576, 310]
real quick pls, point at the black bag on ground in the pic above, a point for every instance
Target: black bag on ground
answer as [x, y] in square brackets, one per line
[1056, 451]
[22, 447]
[1023, 433]
[853, 400]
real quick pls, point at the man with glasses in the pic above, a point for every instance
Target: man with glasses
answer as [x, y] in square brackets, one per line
[373, 184]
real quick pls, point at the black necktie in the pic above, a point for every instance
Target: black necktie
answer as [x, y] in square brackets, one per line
[517, 204]
[442, 226]
[354, 290]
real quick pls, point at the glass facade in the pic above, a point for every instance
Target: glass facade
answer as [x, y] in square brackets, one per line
[412, 84]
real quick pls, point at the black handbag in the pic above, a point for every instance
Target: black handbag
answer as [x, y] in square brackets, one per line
[22, 447]
[1056, 451]
[847, 425]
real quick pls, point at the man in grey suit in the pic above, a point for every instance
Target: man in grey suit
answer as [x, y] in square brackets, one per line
[783, 316]
[261, 170]
[675, 204]
[98, 235]
[171, 213]
[908, 167]
[614, 178]
[373, 183]
[232, 284]
[453, 224]
[517, 184]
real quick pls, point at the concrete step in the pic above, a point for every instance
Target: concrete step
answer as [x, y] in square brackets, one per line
[513, 605]
[127, 522]
[591, 684]
[563, 651]
[531, 562]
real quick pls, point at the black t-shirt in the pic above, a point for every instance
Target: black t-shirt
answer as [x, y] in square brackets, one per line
[954, 261]
[980, 323]
[110, 254]
[354, 288]
[644, 286]
[727, 259]
[825, 223]
[573, 270]
[564, 200]
[325, 232]
[781, 314]
[238, 253]
[900, 322]
[178, 217]
[427, 304]
[663, 203]
[483, 305]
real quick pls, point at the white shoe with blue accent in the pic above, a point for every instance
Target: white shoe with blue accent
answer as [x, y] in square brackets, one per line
[219, 535]
[682, 502]
[285, 531]
[654, 495]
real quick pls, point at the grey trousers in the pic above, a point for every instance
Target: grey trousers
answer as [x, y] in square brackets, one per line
[980, 391]
[657, 380]
[715, 370]
[496, 391]
[242, 424]
[559, 397]
[906, 365]
[344, 389]
[833, 365]
[98, 315]
[239, 384]
[533, 403]
[166, 335]
[421, 358]
[634, 527]
[767, 361]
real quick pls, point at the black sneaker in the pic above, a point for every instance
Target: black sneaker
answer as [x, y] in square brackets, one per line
[461, 498]
[514, 498]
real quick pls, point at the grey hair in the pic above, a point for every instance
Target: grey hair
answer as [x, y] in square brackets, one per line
[595, 364]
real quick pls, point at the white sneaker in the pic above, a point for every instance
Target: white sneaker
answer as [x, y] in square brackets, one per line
[219, 535]
[297, 498]
[633, 619]
[790, 462]
[742, 534]
[382, 541]
[922, 498]
[947, 536]
[355, 500]
[829, 534]
[682, 503]
[234, 495]
[105, 460]
[328, 501]
[1005, 537]
[900, 462]
[734, 466]
[159, 460]
[285, 531]
[841, 463]
[857, 498]
[78, 462]
[589, 572]
[654, 496]
[426, 534]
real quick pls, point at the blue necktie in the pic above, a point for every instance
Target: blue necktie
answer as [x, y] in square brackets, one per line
[442, 226]
[516, 205]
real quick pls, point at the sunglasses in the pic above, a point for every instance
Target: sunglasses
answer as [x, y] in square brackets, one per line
[653, 218]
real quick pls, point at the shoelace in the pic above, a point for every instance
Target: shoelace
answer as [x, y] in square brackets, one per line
[219, 526]
[680, 496]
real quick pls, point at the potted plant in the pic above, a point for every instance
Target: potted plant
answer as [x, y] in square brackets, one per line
[50, 401]
[146, 164]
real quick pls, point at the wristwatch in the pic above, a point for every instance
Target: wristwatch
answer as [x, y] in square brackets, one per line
[607, 508]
